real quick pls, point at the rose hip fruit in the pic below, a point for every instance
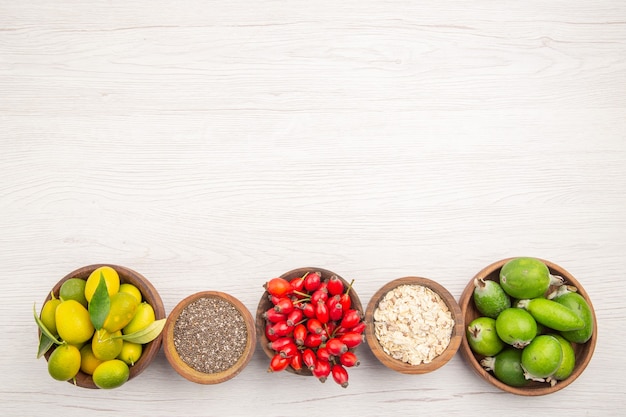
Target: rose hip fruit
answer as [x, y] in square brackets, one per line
[321, 370]
[335, 285]
[348, 359]
[340, 375]
[278, 287]
[312, 281]
[278, 363]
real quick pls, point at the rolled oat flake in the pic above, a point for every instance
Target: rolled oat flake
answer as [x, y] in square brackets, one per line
[413, 324]
[210, 335]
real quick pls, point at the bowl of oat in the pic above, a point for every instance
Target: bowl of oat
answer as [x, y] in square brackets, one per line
[209, 337]
[414, 325]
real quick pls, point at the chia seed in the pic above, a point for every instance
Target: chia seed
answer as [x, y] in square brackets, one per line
[210, 335]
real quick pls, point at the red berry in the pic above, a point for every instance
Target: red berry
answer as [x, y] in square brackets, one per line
[278, 363]
[359, 327]
[350, 319]
[296, 361]
[340, 375]
[321, 312]
[299, 333]
[312, 281]
[335, 285]
[280, 329]
[313, 340]
[288, 350]
[309, 310]
[270, 335]
[279, 343]
[346, 302]
[308, 358]
[351, 339]
[297, 284]
[294, 317]
[335, 309]
[323, 354]
[274, 316]
[319, 295]
[278, 287]
[314, 326]
[336, 347]
[284, 306]
[349, 359]
[321, 370]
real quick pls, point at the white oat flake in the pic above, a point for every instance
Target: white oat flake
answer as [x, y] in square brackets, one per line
[413, 324]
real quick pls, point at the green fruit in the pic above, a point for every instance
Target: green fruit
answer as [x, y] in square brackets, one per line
[111, 374]
[525, 278]
[144, 316]
[121, 312]
[507, 367]
[64, 362]
[73, 322]
[579, 306]
[106, 346]
[542, 357]
[483, 338]
[516, 327]
[489, 298]
[552, 314]
[569, 359]
[74, 289]
[48, 313]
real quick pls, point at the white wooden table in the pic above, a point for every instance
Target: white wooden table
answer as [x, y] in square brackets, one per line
[212, 145]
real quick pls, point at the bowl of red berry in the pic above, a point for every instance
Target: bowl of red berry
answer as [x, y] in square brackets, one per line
[309, 322]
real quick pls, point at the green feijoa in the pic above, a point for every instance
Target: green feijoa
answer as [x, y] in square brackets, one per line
[507, 367]
[516, 327]
[542, 357]
[483, 338]
[489, 298]
[552, 314]
[526, 278]
[581, 308]
[569, 359]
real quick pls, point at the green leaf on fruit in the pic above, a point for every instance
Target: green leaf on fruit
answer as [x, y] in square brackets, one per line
[45, 343]
[46, 338]
[100, 304]
[145, 335]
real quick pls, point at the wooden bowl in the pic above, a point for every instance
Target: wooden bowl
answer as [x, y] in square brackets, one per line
[583, 352]
[399, 365]
[265, 304]
[189, 372]
[150, 295]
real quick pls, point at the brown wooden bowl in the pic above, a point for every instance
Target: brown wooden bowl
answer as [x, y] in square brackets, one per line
[265, 304]
[398, 365]
[187, 371]
[583, 352]
[150, 295]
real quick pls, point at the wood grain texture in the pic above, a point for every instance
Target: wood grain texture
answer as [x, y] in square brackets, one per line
[214, 145]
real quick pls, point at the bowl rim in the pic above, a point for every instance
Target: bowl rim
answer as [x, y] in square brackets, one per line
[398, 365]
[191, 374]
[468, 355]
[263, 301]
[151, 349]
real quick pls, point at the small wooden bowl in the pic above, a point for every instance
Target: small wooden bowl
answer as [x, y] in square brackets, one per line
[150, 295]
[265, 304]
[583, 352]
[398, 365]
[189, 372]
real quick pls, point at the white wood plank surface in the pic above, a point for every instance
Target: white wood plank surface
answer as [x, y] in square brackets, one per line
[214, 145]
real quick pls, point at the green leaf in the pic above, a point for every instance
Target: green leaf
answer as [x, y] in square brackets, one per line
[100, 304]
[44, 331]
[45, 343]
[145, 335]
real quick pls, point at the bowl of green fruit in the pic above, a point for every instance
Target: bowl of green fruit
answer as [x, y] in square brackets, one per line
[530, 326]
[100, 326]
